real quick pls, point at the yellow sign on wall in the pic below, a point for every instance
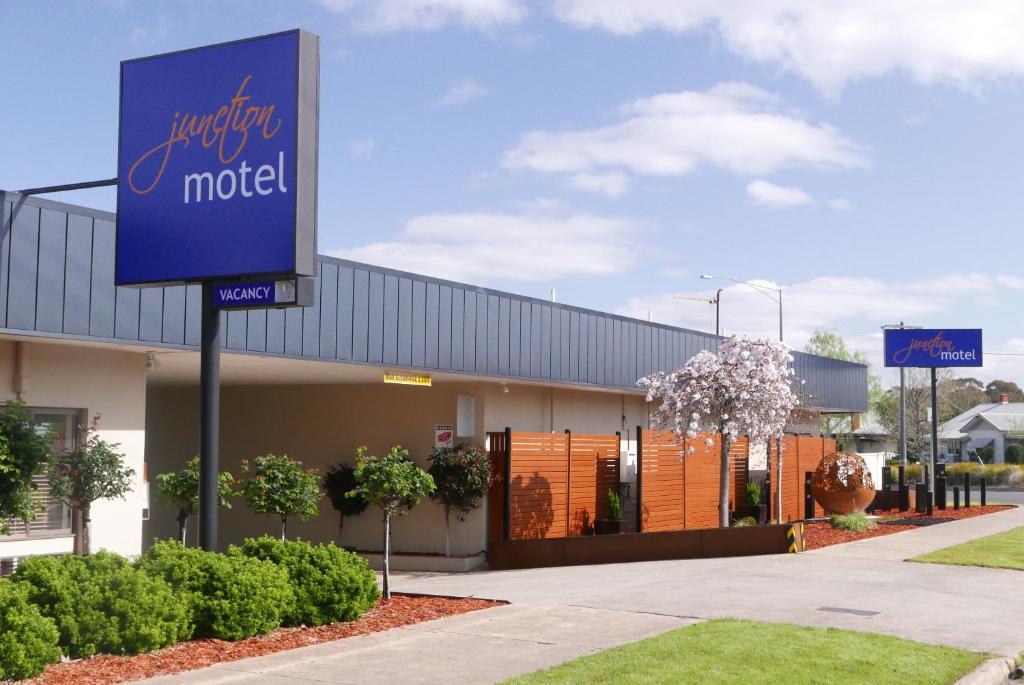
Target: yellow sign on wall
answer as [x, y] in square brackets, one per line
[408, 378]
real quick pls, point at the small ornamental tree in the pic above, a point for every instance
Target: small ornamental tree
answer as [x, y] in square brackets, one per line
[181, 489]
[746, 389]
[462, 475]
[91, 470]
[24, 452]
[339, 481]
[395, 484]
[279, 486]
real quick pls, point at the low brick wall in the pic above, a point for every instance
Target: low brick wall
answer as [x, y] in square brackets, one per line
[628, 547]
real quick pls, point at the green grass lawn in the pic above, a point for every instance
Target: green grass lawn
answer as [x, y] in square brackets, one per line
[728, 651]
[1004, 550]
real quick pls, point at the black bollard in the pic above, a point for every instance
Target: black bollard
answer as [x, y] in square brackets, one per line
[967, 490]
[956, 498]
[886, 487]
[982, 492]
[940, 492]
[904, 488]
[921, 497]
[808, 496]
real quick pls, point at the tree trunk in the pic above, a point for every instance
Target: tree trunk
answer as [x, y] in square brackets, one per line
[284, 527]
[778, 480]
[723, 483]
[387, 554]
[447, 532]
[183, 527]
[84, 531]
[341, 529]
[78, 525]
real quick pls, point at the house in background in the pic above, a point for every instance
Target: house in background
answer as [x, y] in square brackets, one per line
[994, 432]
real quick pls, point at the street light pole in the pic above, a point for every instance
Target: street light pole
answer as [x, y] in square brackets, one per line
[764, 290]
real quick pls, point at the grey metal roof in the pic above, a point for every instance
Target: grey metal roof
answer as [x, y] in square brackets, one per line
[57, 280]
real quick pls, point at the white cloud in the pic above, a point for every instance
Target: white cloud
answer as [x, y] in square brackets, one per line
[733, 126]
[840, 204]
[361, 148]
[539, 244]
[460, 93]
[612, 184]
[777, 197]
[830, 43]
[381, 16]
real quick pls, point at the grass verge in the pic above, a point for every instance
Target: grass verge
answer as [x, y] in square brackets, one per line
[1003, 550]
[729, 651]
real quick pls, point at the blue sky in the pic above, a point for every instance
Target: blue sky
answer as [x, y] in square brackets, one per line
[866, 158]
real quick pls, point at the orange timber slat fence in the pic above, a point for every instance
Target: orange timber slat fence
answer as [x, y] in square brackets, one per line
[679, 491]
[557, 483]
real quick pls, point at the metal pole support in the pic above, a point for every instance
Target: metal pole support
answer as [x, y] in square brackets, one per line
[209, 419]
[639, 479]
[956, 498]
[983, 492]
[967, 490]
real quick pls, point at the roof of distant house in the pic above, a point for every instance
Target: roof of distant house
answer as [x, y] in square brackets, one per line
[1007, 417]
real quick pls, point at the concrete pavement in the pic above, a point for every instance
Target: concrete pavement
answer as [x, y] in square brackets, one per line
[560, 613]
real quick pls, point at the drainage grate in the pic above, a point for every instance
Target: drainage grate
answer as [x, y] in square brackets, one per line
[845, 610]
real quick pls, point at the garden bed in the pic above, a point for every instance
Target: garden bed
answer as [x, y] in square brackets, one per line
[400, 610]
[822, 534]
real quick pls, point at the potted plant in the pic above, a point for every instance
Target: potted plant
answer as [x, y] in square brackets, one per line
[754, 507]
[613, 524]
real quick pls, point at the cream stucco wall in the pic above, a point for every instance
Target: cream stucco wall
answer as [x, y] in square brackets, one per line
[103, 382]
[323, 424]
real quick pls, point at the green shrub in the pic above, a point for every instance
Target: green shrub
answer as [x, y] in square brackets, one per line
[229, 597]
[100, 603]
[745, 522]
[329, 583]
[614, 505]
[28, 640]
[753, 493]
[853, 522]
[1014, 453]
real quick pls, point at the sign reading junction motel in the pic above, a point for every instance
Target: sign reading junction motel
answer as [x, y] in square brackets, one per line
[217, 163]
[933, 347]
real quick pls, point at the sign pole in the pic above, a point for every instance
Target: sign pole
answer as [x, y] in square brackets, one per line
[903, 417]
[209, 419]
[935, 433]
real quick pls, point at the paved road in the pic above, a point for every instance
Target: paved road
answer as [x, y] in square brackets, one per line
[995, 496]
[560, 613]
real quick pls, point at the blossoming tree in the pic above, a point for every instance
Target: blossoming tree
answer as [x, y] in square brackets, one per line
[745, 389]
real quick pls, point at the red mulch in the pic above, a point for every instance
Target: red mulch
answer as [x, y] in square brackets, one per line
[822, 534]
[400, 610]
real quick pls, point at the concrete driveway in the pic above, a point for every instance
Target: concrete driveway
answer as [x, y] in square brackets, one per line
[559, 613]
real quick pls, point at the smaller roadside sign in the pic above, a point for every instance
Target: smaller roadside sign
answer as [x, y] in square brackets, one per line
[933, 347]
[288, 292]
[444, 435]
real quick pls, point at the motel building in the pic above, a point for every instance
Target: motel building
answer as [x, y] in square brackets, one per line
[310, 382]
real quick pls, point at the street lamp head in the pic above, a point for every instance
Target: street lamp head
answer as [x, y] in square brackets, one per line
[707, 277]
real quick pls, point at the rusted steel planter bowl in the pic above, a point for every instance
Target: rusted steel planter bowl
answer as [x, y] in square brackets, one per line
[842, 483]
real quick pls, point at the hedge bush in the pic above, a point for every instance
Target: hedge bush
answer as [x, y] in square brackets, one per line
[28, 640]
[330, 584]
[229, 597]
[100, 603]
[1010, 475]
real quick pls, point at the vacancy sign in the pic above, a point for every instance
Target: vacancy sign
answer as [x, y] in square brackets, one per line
[217, 162]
